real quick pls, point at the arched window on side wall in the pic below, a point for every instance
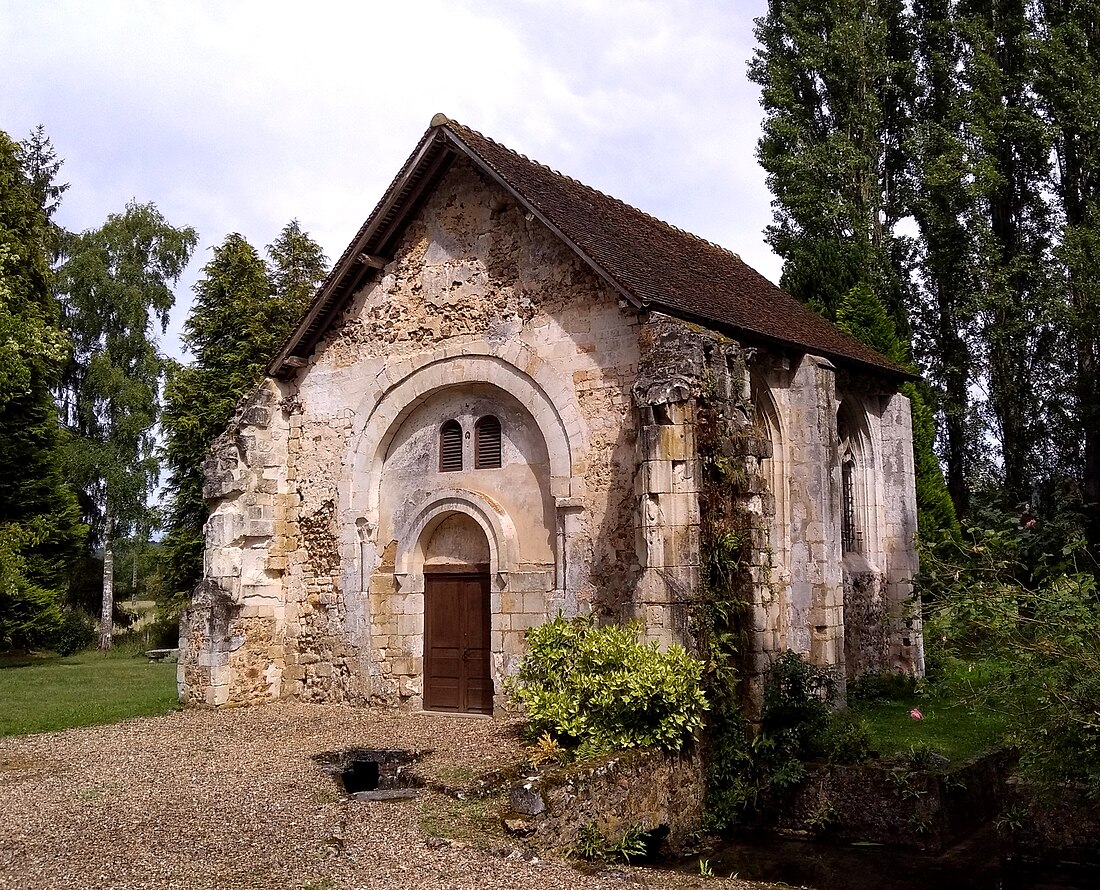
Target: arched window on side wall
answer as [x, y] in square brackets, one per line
[776, 473]
[855, 478]
[487, 443]
[450, 447]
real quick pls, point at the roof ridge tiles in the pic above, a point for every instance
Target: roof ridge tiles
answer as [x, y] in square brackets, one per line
[451, 122]
[646, 258]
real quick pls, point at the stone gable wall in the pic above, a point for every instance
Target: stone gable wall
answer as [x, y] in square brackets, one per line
[472, 281]
[326, 488]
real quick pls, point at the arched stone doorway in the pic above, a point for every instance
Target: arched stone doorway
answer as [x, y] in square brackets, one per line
[457, 649]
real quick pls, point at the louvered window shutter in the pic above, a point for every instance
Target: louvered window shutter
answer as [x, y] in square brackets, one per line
[450, 447]
[487, 443]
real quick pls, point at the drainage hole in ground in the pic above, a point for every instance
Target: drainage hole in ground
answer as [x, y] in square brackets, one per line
[373, 773]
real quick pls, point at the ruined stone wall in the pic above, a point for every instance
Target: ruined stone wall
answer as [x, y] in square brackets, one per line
[232, 636]
[816, 597]
[705, 511]
[906, 642]
[631, 792]
[477, 294]
[882, 623]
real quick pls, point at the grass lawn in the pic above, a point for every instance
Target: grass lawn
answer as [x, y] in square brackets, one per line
[43, 692]
[952, 726]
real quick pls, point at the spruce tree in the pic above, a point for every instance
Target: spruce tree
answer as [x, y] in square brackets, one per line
[243, 311]
[40, 528]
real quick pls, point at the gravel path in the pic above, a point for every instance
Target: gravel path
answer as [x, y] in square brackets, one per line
[233, 799]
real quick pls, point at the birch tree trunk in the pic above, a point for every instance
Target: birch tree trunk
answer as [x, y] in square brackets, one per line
[107, 609]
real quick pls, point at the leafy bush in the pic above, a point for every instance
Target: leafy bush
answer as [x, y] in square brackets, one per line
[874, 686]
[1021, 596]
[746, 770]
[75, 633]
[846, 739]
[595, 688]
[798, 698]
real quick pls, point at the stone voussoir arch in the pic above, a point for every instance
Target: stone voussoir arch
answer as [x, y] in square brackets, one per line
[490, 517]
[513, 368]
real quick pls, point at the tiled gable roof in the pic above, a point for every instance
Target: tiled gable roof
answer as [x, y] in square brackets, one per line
[652, 263]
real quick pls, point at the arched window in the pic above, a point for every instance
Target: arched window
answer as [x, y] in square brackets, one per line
[850, 536]
[854, 491]
[450, 447]
[775, 471]
[487, 443]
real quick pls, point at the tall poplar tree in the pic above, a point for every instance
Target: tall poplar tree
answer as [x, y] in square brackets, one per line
[116, 288]
[836, 80]
[1017, 312]
[1069, 90]
[946, 211]
[838, 89]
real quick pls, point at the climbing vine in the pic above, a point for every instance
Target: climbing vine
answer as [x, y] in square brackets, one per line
[722, 618]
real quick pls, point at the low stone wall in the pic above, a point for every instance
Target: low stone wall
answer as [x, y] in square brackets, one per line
[1035, 828]
[895, 804]
[630, 791]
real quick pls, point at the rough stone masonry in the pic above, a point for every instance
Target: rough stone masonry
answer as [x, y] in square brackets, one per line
[490, 416]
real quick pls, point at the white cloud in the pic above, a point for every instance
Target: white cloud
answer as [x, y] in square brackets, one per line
[239, 116]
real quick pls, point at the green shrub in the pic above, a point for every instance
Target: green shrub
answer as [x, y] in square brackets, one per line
[875, 686]
[747, 771]
[75, 633]
[595, 688]
[798, 699]
[846, 739]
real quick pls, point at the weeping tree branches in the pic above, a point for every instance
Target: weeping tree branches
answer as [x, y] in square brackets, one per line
[115, 285]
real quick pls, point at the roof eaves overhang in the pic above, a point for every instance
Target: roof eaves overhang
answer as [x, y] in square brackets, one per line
[367, 252]
[742, 333]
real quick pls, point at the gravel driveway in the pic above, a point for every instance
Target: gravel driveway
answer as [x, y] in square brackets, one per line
[233, 799]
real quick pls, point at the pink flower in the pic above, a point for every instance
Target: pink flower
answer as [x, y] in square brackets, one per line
[1029, 524]
[916, 714]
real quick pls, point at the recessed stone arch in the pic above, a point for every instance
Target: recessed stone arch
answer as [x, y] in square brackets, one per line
[515, 369]
[775, 470]
[859, 485]
[413, 537]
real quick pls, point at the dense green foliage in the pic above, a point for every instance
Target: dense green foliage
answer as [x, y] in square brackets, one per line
[1020, 599]
[974, 119]
[244, 309]
[836, 87]
[595, 688]
[947, 114]
[81, 392]
[47, 693]
[749, 770]
[40, 528]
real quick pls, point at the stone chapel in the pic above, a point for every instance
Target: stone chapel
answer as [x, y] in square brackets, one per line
[492, 412]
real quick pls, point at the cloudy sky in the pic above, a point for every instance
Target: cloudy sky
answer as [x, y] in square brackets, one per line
[239, 116]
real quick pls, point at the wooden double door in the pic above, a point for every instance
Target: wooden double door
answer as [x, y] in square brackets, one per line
[456, 643]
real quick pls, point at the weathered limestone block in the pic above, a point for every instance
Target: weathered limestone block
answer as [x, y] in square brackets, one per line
[627, 791]
[207, 637]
